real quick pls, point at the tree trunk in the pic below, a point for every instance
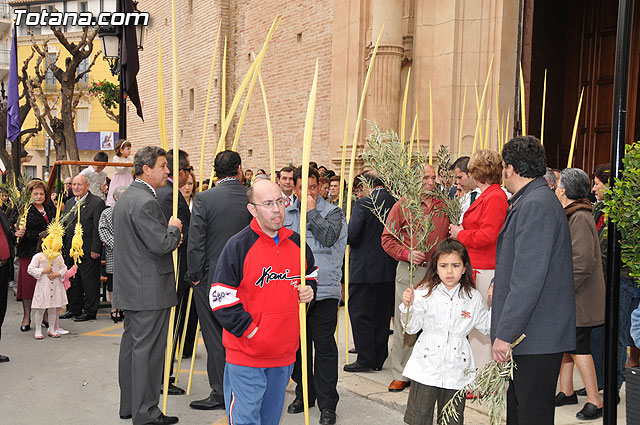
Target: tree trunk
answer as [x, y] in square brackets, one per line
[67, 114]
[59, 142]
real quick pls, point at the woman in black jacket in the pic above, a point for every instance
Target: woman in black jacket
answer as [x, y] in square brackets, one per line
[38, 217]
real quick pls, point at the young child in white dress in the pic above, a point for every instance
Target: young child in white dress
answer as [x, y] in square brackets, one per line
[445, 306]
[49, 293]
[122, 175]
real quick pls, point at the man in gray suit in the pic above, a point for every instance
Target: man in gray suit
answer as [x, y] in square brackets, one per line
[217, 214]
[144, 286]
[533, 286]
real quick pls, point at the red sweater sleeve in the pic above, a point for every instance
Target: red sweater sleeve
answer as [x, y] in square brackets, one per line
[390, 243]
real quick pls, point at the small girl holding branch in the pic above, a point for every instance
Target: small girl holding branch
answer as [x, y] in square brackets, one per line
[49, 293]
[446, 307]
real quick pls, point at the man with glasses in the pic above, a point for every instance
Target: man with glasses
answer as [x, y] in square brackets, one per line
[327, 238]
[68, 192]
[218, 213]
[255, 295]
[165, 199]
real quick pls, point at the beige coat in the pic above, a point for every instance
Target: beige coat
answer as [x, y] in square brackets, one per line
[587, 269]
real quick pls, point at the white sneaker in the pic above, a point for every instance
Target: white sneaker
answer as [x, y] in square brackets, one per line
[61, 331]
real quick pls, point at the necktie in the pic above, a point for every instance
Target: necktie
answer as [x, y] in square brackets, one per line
[474, 195]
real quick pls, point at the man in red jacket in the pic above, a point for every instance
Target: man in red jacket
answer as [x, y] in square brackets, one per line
[402, 343]
[255, 296]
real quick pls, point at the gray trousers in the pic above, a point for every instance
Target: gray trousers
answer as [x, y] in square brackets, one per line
[421, 405]
[140, 364]
[402, 343]
[212, 336]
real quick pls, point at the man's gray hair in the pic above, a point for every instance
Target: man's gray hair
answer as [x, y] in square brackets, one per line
[550, 176]
[119, 191]
[575, 182]
[148, 156]
[260, 177]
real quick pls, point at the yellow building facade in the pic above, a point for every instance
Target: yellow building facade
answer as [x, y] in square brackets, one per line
[91, 119]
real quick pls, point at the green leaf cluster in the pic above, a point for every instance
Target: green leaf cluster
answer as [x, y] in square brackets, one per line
[403, 178]
[622, 205]
[107, 93]
[453, 207]
[19, 197]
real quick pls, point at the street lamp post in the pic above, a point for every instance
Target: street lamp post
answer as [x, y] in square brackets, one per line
[110, 36]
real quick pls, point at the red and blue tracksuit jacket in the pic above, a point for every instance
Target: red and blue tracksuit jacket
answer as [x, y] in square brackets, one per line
[255, 285]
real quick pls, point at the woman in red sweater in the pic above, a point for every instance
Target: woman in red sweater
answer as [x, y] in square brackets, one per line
[479, 233]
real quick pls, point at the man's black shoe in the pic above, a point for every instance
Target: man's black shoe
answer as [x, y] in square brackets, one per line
[297, 406]
[69, 315]
[3, 359]
[173, 390]
[357, 367]
[85, 317]
[327, 416]
[209, 403]
[562, 399]
[164, 420]
[125, 417]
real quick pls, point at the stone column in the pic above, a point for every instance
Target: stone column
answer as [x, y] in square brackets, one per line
[385, 94]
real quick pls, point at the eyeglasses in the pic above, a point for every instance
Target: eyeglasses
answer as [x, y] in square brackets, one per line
[188, 170]
[269, 204]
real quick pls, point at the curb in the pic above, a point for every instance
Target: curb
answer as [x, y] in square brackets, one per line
[372, 390]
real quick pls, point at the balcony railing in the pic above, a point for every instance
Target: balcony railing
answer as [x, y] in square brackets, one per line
[38, 141]
[4, 58]
[5, 10]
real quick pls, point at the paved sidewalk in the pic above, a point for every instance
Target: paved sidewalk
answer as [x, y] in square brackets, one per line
[73, 380]
[373, 386]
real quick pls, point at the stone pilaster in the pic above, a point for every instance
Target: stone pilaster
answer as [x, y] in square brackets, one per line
[384, 94]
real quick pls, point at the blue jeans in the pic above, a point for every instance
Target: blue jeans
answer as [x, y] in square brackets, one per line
[255, 395]
[629, 300]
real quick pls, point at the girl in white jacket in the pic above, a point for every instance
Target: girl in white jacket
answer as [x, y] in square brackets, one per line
[445, 307]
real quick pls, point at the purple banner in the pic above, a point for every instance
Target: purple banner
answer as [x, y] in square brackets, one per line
[96, 140]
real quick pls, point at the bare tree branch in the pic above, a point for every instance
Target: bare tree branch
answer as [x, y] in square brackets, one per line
[85, 72]
[110, 114]
[36, 109]
[31, 130]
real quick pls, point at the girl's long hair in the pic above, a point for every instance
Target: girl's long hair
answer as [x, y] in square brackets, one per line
[448, 246]
[41, 237]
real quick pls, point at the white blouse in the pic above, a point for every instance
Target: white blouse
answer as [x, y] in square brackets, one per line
[442, 355]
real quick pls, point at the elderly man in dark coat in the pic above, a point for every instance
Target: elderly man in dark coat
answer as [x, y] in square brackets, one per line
[372, 278]
[144, 281]
[533, 286]
[85, 286]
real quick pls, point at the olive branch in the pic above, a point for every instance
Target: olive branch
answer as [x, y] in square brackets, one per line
[403, 179]
[489, 385]
[452, 206]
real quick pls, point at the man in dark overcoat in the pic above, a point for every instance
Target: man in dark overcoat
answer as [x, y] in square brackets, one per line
[533, 290]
